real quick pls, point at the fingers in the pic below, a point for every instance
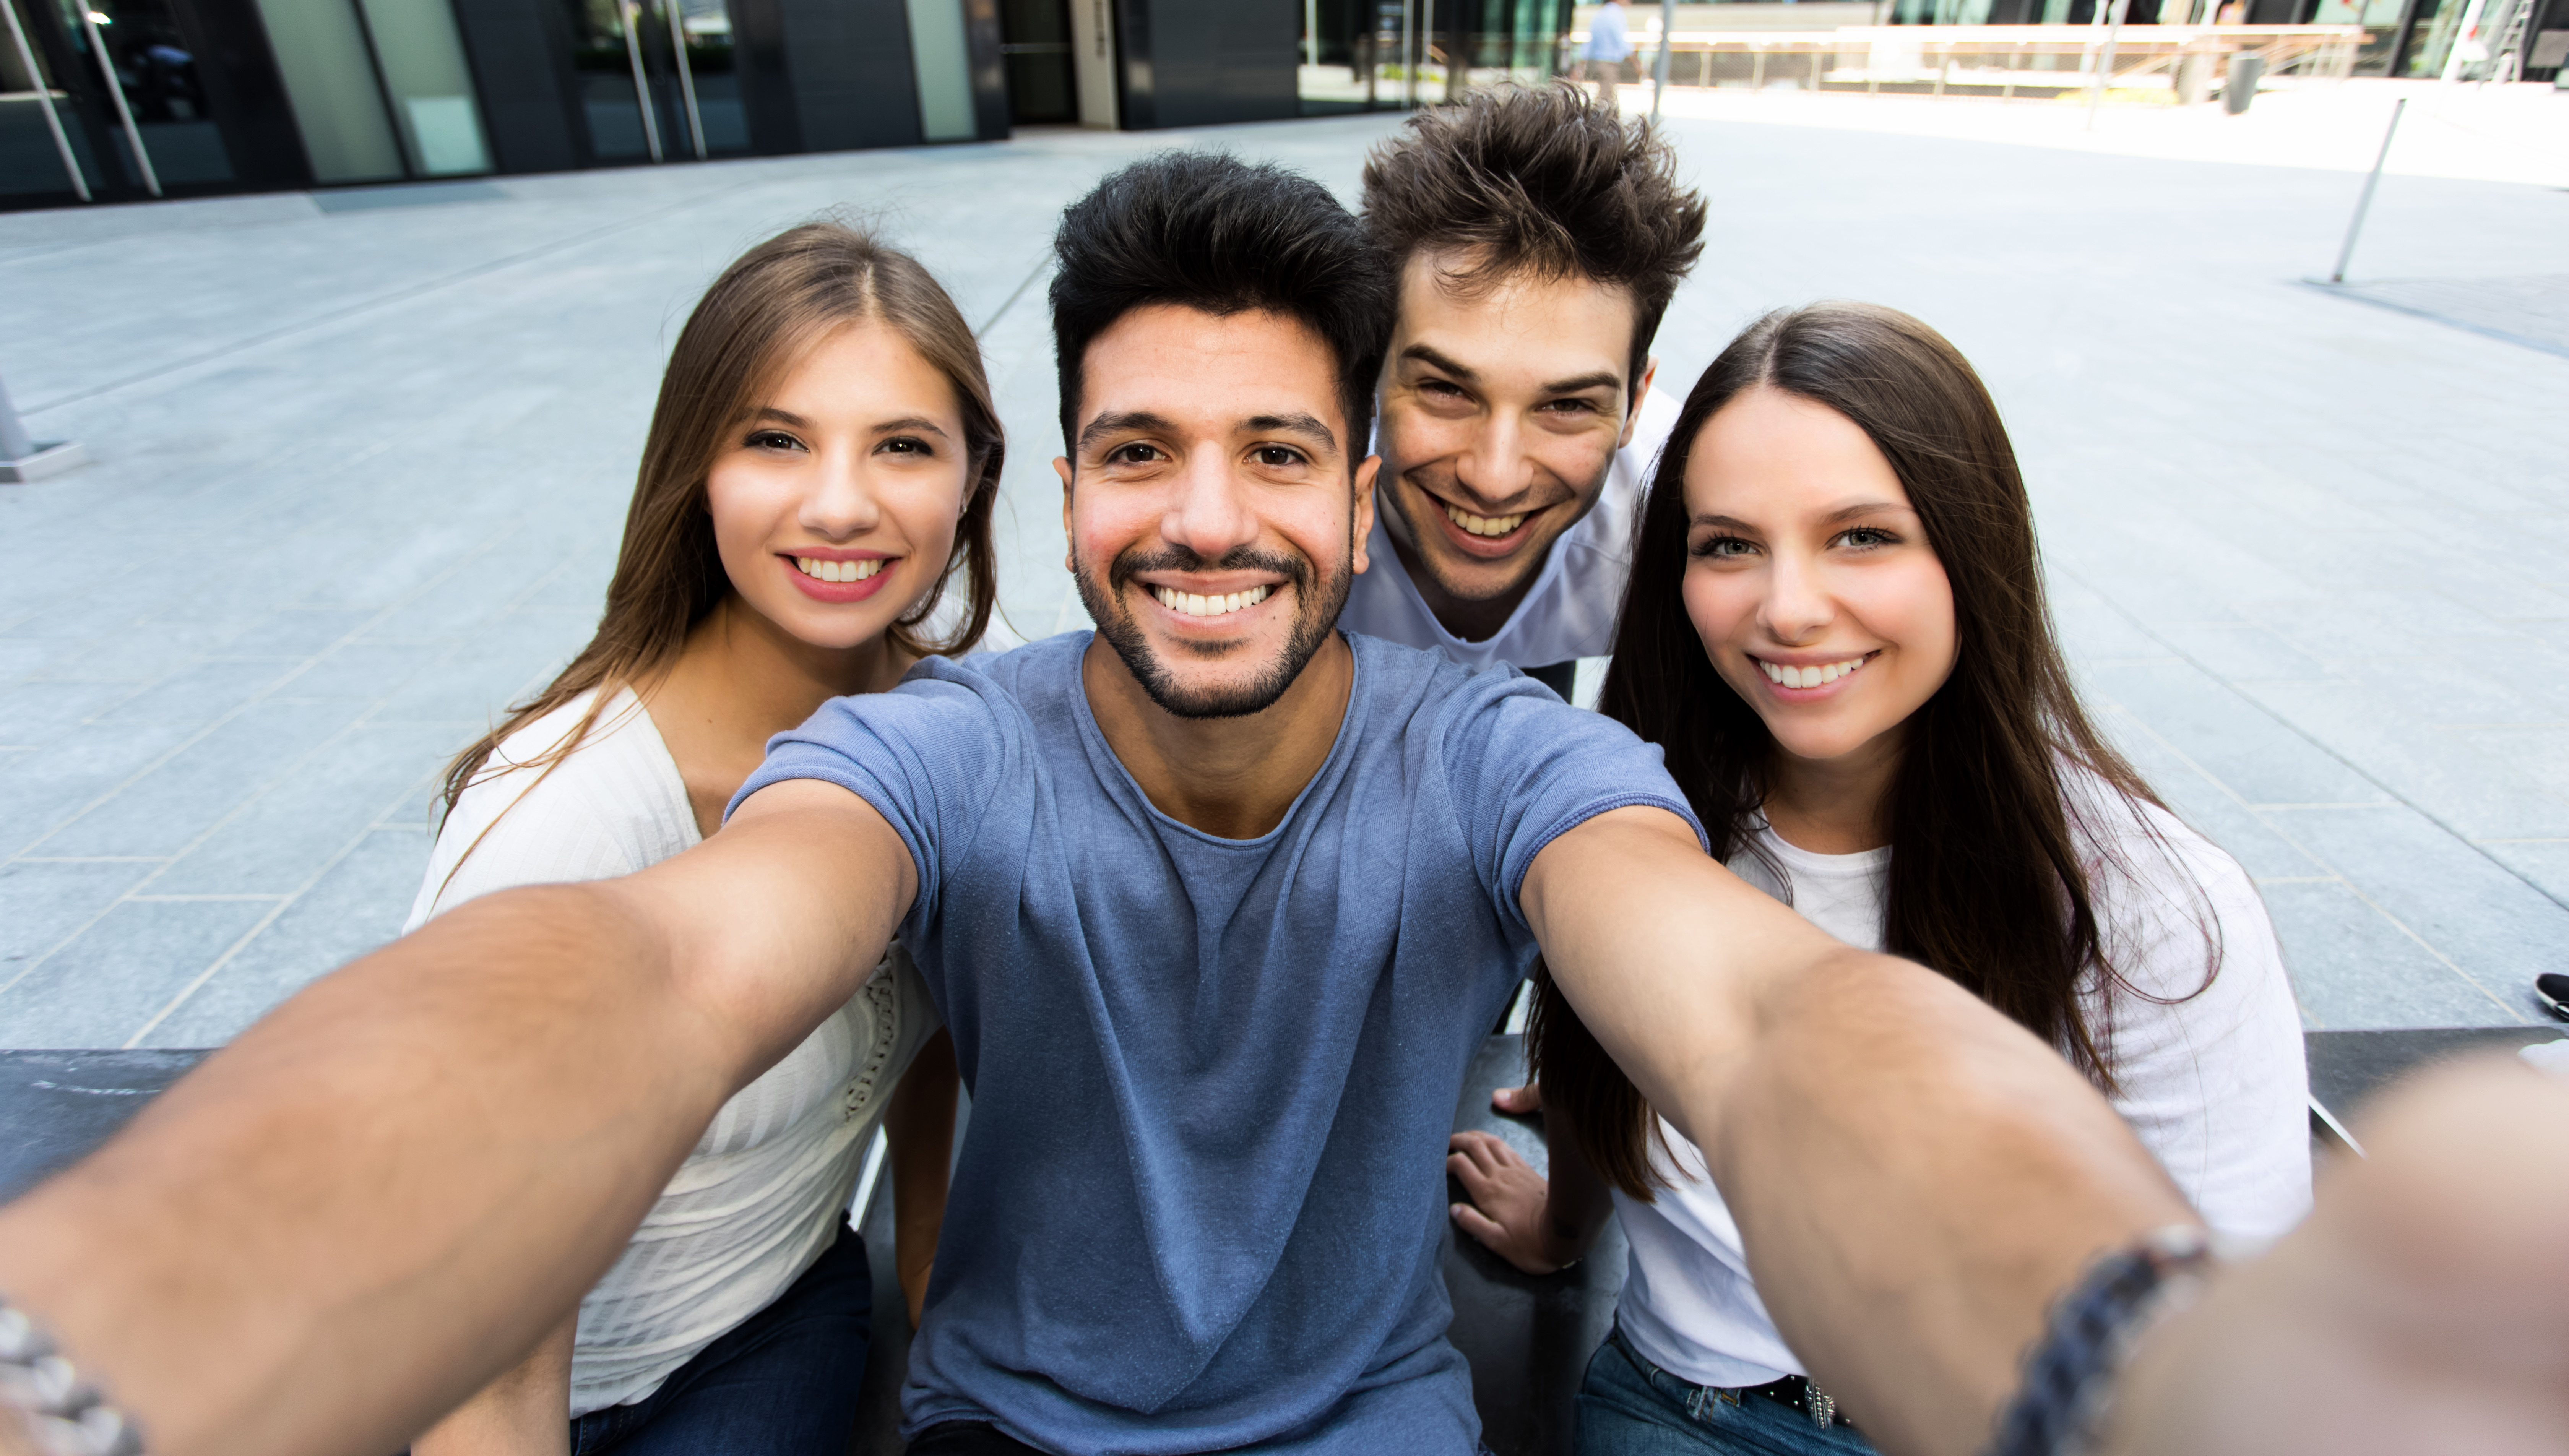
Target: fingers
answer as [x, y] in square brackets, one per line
[1479, 1225]
[1488, 1154]
[1522, 1101]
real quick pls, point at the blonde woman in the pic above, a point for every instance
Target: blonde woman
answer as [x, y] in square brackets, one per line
[820, 463]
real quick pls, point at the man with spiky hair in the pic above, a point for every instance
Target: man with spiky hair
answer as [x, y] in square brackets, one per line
[1216, 901]
[1536, 238]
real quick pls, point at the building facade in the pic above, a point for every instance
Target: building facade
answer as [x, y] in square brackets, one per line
[122, 100]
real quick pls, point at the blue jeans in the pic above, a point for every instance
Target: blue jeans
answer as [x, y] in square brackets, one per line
[784, 1383]
[1630, 1407]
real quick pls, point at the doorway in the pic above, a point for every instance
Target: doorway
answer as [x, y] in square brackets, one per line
[657, 79]
[1034, 40]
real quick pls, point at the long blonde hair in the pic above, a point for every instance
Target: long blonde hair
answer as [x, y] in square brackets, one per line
[762, 315]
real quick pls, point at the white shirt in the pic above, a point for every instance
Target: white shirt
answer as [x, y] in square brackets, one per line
[2214, 1085]
[1568, 612]
[767, 1185]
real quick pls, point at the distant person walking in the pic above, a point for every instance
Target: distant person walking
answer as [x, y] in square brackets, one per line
[1602, 59]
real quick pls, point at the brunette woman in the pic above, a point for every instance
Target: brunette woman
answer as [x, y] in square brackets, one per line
[821, 466]
[1836, 630]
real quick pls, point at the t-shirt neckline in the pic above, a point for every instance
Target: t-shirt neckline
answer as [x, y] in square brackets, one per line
[1095, 737]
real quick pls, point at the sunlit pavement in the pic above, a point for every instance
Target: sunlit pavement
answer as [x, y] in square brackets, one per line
[359, 471]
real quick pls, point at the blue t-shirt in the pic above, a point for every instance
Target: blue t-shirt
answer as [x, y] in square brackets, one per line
[1201, 1202]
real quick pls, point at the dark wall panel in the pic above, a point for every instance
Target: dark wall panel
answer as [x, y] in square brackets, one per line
[523, 69]
[1190, 63]
[1228, 62]
[239, 73]
[847, 61]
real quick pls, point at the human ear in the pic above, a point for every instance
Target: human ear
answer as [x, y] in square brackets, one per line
[1062, 468]
[1361, 525]
[1640, 392]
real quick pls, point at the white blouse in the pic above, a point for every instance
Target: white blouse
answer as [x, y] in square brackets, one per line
[758, 1200]
[2213, 1084]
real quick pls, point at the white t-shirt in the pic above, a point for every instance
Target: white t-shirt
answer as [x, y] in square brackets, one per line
[2214, 1085]
[1568, 612]
[767, 1185]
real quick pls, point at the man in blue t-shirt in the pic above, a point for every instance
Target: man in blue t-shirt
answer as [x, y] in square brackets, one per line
[1216, 900]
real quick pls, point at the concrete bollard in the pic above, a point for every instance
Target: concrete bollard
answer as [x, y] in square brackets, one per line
[25, 459]
[2239, 88]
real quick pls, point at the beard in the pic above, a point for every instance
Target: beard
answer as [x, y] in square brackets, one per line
[1313, 619]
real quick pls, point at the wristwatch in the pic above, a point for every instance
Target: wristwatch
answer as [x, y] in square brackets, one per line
[56, 1410]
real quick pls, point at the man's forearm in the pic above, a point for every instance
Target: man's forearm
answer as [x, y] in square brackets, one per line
[1914, 1176]
[1914, 1181]
[343, 1224]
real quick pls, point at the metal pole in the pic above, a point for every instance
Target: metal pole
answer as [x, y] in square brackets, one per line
[1409, 73]
[687, 78]
[2106, 65]
[641, 83]
[116, 94]
[2363, 204]
[45, 94]
[1660, 71]
[1311, 32]
[2453, 51]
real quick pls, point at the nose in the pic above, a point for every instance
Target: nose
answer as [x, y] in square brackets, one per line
[1496, 469]
[840, 502]
[1208, 509]
[1798, 606]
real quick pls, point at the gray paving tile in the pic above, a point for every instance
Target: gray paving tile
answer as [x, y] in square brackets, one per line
[41, 902]
[2353, 968]
[36, 713]
[41, 791]
[2232, 737]
[203, 691]
[278, 841]
[2494, 927]
[2476, 795]
[162, 810]
[358, 906]
[99, 989]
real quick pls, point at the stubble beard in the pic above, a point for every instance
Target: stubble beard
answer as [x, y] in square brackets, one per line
[1313, 618]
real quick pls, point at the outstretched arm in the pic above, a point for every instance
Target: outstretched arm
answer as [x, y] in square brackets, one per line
[388, 1189]
[1915, 1177]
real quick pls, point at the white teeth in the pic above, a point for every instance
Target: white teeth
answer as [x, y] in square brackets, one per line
[1827, 672]
[1484, 524]
[1191, 603]
[826, 571]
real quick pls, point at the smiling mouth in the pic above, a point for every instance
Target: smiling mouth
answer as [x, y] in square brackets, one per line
[1819, 676]
[1193, 603]
[1492, 525]
[823, 571]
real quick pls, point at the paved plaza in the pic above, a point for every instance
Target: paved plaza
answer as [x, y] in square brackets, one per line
[360, 463]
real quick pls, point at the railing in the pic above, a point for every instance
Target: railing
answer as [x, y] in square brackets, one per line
[2004, 60]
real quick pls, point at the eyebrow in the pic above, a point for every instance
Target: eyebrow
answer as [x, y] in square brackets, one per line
[910, 422]
[785, 417]
[1577, 383]
[1306, 425]
[1116, 422]
[1843, 513]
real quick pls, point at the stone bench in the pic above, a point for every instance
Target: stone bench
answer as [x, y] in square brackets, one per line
[1528, 1339]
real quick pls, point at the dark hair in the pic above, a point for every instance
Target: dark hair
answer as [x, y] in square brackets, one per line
[1217, 235]
[1987, 884]
[1550, 182]
[762, 315]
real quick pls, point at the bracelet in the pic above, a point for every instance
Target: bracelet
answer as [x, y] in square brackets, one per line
[2069, 1372]
[62, 1412]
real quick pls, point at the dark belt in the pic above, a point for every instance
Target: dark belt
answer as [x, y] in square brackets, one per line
[1796, 1391]
[1799, 1392]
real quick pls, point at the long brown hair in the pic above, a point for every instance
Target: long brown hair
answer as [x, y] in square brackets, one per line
[766, 311]
[1987, 884]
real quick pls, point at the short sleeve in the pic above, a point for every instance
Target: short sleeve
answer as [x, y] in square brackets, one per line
[1526, 768]
[929, 756]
